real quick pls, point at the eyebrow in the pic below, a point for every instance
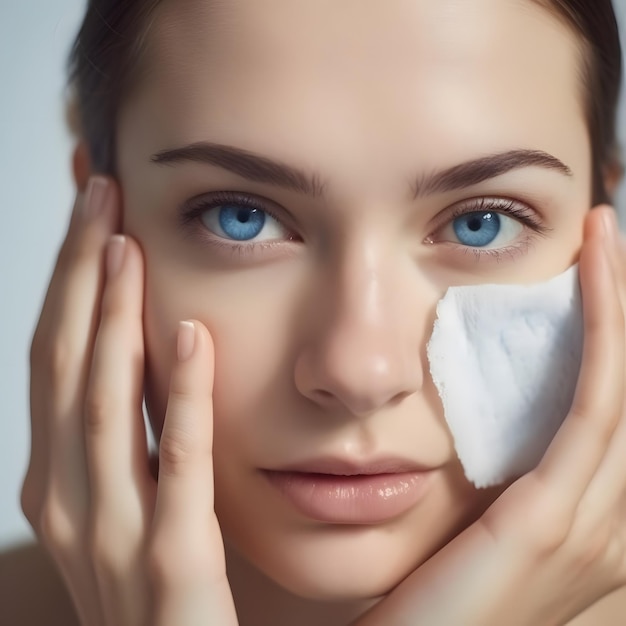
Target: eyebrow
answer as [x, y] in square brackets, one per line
[246, 164]
[485, 168]
[263, 169]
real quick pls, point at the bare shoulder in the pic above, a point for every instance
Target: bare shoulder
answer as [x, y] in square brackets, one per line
[31, 591]
[610, 611]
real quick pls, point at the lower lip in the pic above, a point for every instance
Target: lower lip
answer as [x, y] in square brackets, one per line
[360, 499]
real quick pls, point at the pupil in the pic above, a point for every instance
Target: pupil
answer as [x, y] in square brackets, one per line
[474, 224]
[477, 229]
[244, 215]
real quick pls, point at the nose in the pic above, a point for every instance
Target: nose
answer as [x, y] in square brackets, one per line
[363, 350]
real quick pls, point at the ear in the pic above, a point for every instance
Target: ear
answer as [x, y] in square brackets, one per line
[81, 165]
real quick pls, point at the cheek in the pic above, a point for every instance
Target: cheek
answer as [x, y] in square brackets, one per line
[248, 324]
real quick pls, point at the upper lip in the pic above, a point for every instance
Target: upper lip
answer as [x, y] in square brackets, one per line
[354, 467]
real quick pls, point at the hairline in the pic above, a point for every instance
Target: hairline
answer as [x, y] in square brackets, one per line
[138, 68]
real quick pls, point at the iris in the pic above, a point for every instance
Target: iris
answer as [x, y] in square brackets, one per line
[241, 223]
[477, 229]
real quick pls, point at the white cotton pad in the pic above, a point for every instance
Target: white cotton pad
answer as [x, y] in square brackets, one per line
[505, 360]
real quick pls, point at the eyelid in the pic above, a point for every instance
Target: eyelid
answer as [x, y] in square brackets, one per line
[515, 209]
[194, 208]
[200, 204]
[191, 211]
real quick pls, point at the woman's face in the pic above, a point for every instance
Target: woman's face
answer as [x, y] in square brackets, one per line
[386, 124]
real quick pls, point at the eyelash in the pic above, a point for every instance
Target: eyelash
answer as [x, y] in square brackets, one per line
[501, 205]
[196, 209]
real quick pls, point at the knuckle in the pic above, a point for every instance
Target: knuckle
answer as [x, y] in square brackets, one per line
[97, 407]
[108, 555]
[56, 529]
[603, 430]
[175, 451]
[30, 503]
[86, 249]
[610, 548]
[549, 537]
[589, 552]
[120, 316]
[55, 356]
[546, 528]
[180, 396]
[113, 307]
[60, 360]
[600, 551]
[160, 565]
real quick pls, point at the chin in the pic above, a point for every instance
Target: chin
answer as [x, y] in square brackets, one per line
[348, 564]
[341, 563]
[332, 588]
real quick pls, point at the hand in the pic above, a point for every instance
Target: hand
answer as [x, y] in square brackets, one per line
[131, 551]
[555, 541]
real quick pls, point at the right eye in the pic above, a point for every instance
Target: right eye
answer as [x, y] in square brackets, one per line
[238, 218]
[240, 223]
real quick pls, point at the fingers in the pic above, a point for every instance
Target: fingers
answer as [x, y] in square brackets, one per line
[69, 316]
[87, 388]
[60, 356]
[184, 515]
[58, 359]
[55, 493]
[186, 560]
[186, 445]
[114, 430]
[62, 346]
[606, 492]
[580, 445]
[601, 504]
[561, 527]
[121, 487]
[73, 309]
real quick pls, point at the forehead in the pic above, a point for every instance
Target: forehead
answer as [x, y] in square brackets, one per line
[367, 77]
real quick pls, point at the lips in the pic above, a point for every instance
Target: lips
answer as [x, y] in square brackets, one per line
[340, 491]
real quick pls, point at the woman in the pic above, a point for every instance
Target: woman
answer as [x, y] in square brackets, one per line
[297, 185]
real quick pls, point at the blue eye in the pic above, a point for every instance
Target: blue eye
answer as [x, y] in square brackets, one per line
[477, 229]
[497, 225]
[238, 222]
[241, 223]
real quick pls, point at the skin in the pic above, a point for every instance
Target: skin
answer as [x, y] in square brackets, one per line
[315, 345]
[348, 310]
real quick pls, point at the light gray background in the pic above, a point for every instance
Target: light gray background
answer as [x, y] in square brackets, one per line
[36, 195]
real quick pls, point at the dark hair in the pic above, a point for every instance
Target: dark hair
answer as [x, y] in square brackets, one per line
[107, 57]
[602, 75]
[104, 62]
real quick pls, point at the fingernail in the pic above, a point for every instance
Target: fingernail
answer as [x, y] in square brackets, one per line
[186, 340]
[96, 195]
[115, 255]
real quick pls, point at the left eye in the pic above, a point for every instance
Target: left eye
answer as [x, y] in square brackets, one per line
[241, 223]
[482, 229]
